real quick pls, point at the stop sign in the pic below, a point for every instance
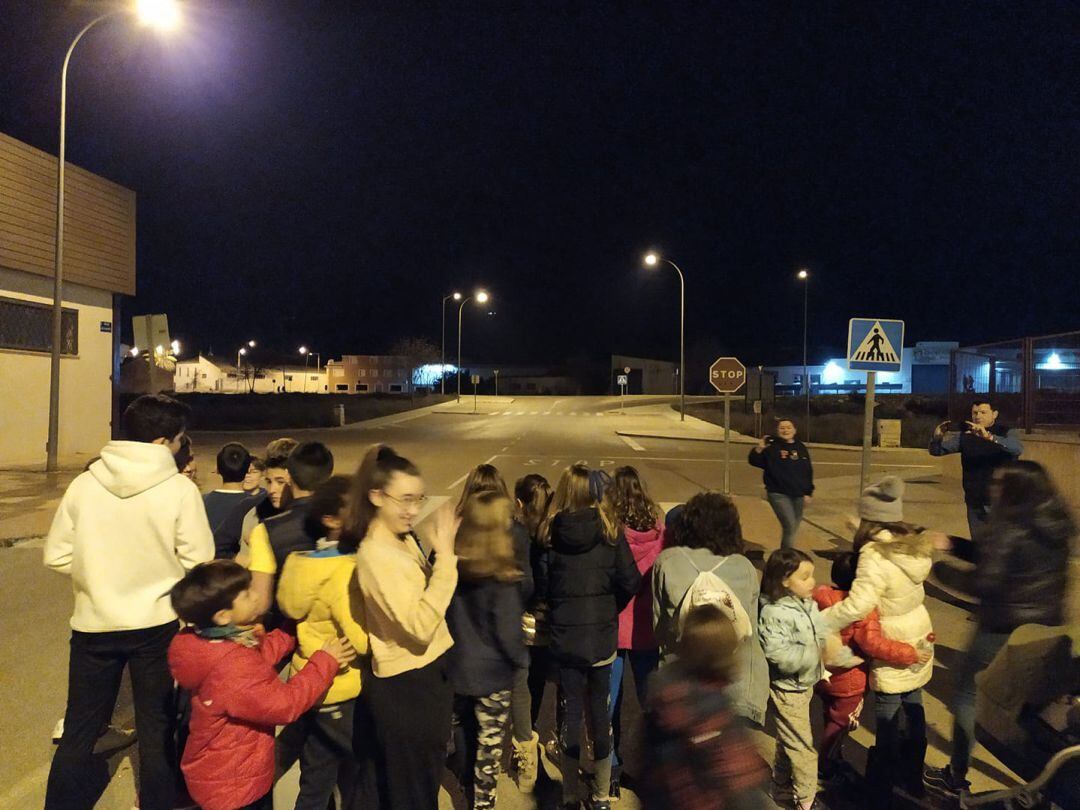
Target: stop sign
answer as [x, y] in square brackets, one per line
[727, 375]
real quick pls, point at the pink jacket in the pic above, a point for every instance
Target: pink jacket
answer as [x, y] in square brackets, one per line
[635, 622]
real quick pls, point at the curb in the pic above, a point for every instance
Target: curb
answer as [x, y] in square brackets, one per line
[742, 438]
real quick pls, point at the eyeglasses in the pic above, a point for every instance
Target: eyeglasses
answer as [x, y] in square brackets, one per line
[408, 502]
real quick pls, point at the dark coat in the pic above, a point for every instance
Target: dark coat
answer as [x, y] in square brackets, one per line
[1020, 574]
[484, 618]
[589, 581]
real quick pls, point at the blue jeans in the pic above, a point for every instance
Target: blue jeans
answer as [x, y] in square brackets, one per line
[642, 663]
[887, 712]
[789, 512]
[984, 646]
[977, 516]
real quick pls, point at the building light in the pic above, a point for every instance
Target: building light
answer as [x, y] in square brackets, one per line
[1052, 363]
[832, 374]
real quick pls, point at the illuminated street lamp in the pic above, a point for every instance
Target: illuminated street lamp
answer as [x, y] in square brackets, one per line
[241, 352]
[160, 14]
[804, 276]
[305, 353]
[442, 365]
[651, 260]
[481, 298]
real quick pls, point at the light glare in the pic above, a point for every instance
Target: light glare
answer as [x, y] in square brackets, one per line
[303, 350]
[251, 343]
[482, 297]
[134, 351]
[650, 259]
[803, 275]
[164, 15]
[457, 296]
[175, 346]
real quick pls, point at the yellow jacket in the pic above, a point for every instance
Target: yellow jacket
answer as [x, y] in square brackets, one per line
[319, 590]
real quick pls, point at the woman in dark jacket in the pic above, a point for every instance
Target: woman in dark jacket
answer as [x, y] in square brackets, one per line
[591, 577]
[788, 476]
[1020, 577]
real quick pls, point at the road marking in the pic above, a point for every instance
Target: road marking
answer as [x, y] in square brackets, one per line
[683, 459]
[599, 413]
[535, 413]
[633, 445]
[466, 475]
[573, 413]
[504, 449]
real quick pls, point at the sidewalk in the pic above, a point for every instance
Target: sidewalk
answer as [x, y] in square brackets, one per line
[28, 501]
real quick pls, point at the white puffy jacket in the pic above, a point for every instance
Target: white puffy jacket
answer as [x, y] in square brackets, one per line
[890, 575]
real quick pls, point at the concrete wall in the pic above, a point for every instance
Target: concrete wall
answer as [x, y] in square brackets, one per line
[85, 385]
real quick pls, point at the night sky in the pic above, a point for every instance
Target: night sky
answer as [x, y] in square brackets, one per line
[323, 173]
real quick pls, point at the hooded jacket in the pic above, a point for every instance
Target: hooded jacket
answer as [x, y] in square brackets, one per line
[865, 640]
[126, 531]
[792, 635]
[589, 582]
[635, 621]
[890, 575]
[485, 620]
[236, 701]
[319, 590]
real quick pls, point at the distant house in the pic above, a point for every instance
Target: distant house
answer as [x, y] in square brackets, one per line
[209, 374]
[99, 267]
[206, 374]
[367, 374]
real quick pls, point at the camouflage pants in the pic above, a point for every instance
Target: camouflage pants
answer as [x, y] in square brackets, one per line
[479, 728]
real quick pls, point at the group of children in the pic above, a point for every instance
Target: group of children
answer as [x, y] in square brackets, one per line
[410, 653]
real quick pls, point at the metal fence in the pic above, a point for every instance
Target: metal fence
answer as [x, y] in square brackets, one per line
[1034, 381]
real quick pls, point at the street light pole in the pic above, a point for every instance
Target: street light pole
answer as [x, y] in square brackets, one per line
[804, 277]
[162, 14]
[481, 298]
[442, 365]
[651, 259]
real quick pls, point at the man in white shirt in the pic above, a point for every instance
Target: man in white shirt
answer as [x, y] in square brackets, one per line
[125, 532]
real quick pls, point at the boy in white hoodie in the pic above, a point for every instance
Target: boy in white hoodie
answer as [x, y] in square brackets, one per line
[126, 531]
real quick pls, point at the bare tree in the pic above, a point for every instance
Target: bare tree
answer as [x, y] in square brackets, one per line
[417, 352]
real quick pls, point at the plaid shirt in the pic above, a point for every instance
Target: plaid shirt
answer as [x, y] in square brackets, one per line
[699, 753]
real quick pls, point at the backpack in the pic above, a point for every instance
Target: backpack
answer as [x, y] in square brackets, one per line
[708, 589]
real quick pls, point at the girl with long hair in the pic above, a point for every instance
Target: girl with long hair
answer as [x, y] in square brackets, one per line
[591, 578]
[406, 587]
[485, 621]
[532, 493]
[628, 505]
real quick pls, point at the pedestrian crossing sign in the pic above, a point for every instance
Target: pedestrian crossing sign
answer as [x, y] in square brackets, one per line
[875, 344]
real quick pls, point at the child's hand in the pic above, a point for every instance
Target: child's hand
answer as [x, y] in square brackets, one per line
[940, 541]
[443, 531]
[341, 649]
[833, 648]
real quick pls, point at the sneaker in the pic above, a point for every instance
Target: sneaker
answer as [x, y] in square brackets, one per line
[114, 739]
[943, 781]
[526, 759]
[782, 789]
[615, 791]
[598, 804]
[58, 731]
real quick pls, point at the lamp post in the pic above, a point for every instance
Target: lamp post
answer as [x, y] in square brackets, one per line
[804, 276]
[651, 260]
[481, 298]
[243, 350]
[161, 14]
[442, 365]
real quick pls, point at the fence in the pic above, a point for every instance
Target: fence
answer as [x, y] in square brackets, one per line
[1034, 381]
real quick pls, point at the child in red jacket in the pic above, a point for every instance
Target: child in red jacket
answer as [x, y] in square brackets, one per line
[228, 664]
[842, 694]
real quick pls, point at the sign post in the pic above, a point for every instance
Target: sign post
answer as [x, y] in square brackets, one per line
[622, 379]
[874, 344]
[475, 381]
[496, 383]
[727, 375]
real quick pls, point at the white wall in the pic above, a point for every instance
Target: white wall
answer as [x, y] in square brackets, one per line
[85, 387]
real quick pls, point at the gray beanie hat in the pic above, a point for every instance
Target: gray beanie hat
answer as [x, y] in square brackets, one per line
[883, 502]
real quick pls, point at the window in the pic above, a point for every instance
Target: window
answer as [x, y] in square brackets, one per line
[288, 378]
[361, 387]
[27, 325]
[341, 387]
[314, 377]
[204, 376]
[396, 388]
[362, 372]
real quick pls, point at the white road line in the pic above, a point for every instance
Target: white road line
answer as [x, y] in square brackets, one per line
[520, 413]
[599, 413]
[633, 445]
[466, 475]
[535, 413]
[504, 449]
[573, 413]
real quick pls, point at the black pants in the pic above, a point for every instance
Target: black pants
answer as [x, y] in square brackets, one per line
[539, 674]
[411, 714]
[580, 691]
[78, 778]
[326, 758]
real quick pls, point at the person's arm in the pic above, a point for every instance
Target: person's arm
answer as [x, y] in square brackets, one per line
[1010, 443]
[263, 566]
[757, 455]
[402, 596]
[505, 616]
[783, 648]
[943, 442]
[871, 641]
[262, 699]
[291, 598]
[521, 542]
[347, 610]
[275, 645]
[809, 473]
[60, 542]
[626, 577]
[194, 541]
[861, 599]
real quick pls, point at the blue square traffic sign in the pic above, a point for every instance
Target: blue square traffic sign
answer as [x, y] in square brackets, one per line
[875, 344]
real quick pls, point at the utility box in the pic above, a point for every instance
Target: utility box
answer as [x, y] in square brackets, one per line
[888, 431]
[339, 415]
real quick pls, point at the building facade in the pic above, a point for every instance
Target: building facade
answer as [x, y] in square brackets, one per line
[99, 266]
[211, 375]
[367, 374]
[924, 370]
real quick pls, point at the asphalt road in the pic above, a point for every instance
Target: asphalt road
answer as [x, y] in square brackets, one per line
[527, 435]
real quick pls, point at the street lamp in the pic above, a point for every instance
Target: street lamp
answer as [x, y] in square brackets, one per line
[481, 298]
[804, 276]
[651, 260]
[305, 353]
[161, 14]
[243, 350]
[442, 366]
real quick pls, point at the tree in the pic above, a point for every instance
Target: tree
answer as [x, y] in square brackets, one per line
[417, 352]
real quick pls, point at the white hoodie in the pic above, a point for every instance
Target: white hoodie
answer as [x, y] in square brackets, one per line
[126, 531]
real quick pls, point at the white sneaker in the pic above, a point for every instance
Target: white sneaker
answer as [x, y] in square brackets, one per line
[58, 731]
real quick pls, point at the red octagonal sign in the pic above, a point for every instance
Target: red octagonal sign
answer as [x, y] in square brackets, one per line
[727, 375]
